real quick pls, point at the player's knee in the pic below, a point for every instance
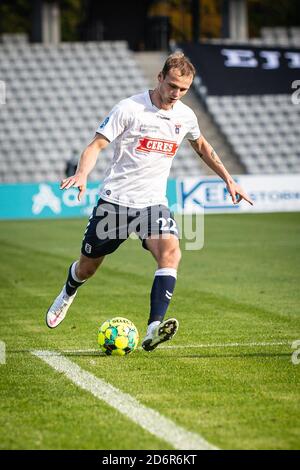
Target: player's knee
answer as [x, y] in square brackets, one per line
[170, 257]
[177, 255]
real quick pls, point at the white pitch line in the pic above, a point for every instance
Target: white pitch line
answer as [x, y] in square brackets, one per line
[150, 420]
[194, 346]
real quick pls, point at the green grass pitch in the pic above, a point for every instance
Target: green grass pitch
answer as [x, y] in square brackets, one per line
[242, 287]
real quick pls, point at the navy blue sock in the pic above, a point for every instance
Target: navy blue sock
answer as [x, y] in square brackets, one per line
[161, 293]
[72, 282]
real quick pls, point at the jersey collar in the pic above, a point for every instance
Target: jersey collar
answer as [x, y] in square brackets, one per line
[152, 106]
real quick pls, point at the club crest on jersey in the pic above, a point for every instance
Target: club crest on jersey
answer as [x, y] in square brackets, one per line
[88, 248]
[148, 144]
[177, 128]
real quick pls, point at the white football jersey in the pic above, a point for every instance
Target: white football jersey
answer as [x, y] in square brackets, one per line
[146, 140]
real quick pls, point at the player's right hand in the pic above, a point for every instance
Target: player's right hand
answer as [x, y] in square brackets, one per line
[78, 181]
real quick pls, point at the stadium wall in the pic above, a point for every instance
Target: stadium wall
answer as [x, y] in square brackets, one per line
[270, 193]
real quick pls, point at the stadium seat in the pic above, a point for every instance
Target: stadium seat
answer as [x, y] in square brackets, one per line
[280, 36]
[262, 130]
[56, 98]
[57, 95]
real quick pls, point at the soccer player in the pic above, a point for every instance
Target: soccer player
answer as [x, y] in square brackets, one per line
[147, 130]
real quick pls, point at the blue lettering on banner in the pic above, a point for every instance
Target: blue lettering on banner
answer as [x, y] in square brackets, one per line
[209, 194]
[273, 196]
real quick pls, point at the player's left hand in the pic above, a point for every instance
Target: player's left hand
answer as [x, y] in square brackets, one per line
[237, 193]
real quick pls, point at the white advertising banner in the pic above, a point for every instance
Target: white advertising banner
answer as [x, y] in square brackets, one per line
[270, 193]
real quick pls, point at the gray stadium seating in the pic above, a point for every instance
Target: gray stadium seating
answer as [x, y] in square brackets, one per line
[269, 36]
[281, 36]
[55, 98]
[263, 130]
[57, 95]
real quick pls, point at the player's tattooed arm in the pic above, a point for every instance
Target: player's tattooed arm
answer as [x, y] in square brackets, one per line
[209, 156]
[215, 157]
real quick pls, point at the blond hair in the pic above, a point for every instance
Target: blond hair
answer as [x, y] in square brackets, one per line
[178, 61]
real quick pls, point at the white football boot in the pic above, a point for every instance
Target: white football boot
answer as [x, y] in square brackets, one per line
[162, 332]
[59, 309]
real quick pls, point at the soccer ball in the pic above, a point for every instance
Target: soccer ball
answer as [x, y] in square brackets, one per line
[118, 337]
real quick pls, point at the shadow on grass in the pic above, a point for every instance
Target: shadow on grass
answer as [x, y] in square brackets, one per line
[160, 354]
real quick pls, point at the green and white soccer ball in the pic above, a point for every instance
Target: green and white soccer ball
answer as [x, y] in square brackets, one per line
[118, 337]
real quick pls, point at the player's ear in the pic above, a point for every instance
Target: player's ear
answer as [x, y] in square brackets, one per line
[160, 77]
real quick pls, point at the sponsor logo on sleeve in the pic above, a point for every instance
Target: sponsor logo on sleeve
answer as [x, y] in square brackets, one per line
[104, 123]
